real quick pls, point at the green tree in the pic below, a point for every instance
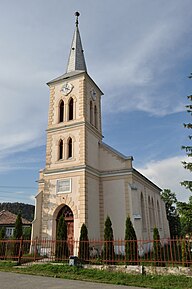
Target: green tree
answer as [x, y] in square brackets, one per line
[84, 243]
[2, 243]
[130, 242]
[172, 215]
[108, 250]
[17, 234]
[185, 211]
[62, 251]
[156, 247]
[27, 233]
[2, 233]
[18, 231]
[188, 148]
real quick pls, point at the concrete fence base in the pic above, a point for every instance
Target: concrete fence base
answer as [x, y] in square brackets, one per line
[144, 270]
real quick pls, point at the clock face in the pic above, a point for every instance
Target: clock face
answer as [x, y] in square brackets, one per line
[93, 94]
[66, 88]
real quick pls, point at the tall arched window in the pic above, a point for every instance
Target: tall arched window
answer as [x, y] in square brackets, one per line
[153, 214]
[61, 149]
[159, 215]
[150, 213]
[61, 111]
[143, 213]
[95, 115]
[71, 108]
[70, 148]
[91, 112]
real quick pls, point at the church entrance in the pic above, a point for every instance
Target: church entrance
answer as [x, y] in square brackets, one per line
[69, 219]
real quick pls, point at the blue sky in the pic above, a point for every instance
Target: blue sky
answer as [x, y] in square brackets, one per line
[139, 54]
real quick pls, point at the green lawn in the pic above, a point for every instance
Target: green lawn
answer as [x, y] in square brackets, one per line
[74, 273]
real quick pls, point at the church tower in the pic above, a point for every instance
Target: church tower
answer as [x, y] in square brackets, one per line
[85, 179]
[73, 136]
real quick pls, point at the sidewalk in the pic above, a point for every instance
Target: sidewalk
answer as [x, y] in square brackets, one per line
[21, 281]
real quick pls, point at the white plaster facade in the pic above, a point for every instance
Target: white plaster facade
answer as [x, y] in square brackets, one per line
[99, 180]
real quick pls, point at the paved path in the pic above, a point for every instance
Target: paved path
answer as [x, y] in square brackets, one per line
[21, 281]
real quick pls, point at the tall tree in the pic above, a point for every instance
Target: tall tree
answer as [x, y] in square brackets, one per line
[2, 244]
[17, 234]
[62, 251]
[188, 148]
[172, 215]
[18, 231]
[2, 233]
[130, 242]
[185, 211]
[108, 251]
[84, 243]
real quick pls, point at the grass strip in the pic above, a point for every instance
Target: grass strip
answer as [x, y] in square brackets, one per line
[103, 276]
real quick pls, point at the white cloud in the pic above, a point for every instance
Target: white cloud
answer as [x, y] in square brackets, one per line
[133, 59]
[168, 173]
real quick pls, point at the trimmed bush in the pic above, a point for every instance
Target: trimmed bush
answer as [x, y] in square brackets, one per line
[62, 251]
[131, 250]
[156, 247]
[84, 244]
[108, 250]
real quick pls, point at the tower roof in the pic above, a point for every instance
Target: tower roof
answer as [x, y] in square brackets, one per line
[76, 59]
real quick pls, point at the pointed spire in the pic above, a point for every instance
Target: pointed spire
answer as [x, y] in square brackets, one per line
[76, 59]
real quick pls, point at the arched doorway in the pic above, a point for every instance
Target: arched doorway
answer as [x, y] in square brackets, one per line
[69, 219]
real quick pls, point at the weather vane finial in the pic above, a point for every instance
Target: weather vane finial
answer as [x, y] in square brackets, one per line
[77, 14]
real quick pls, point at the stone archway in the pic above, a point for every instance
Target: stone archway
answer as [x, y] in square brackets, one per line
[69, 219]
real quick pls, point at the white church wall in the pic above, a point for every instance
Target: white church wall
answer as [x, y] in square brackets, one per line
[114, 205]
[93, 208]
[92, 150]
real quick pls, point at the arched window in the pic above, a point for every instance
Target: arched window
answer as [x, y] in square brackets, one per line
[150, 213]
[61, 149]
[159, 215]
[153, 214]
[91, 112]
[61, 111]
[144, 226]
[71, 108]
[70, 148]
[95, 116]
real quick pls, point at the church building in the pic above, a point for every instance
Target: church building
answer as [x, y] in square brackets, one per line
[85, 179]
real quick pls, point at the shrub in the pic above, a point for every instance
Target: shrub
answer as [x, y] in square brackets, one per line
[156, 247]
[62, 251]
[84, 243]
[108, 250]
[130, 243]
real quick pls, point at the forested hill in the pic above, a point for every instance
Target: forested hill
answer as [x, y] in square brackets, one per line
[26, 210]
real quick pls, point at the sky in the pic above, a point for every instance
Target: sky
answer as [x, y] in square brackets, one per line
[139, 54]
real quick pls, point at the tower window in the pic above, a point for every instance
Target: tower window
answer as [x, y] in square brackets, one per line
[61, 111]
[95, 116]
[70, 148]
[71, 109]
[91, 112]
[61, 149]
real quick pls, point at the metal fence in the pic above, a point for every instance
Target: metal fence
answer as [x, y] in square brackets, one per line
[164, 252]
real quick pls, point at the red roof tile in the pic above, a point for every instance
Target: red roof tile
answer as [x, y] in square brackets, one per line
[8, 218]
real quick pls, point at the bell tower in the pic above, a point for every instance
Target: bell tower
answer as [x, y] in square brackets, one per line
[73, 136]
[74, 111]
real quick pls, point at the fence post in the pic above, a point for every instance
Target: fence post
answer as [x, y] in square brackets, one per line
[20, 250]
